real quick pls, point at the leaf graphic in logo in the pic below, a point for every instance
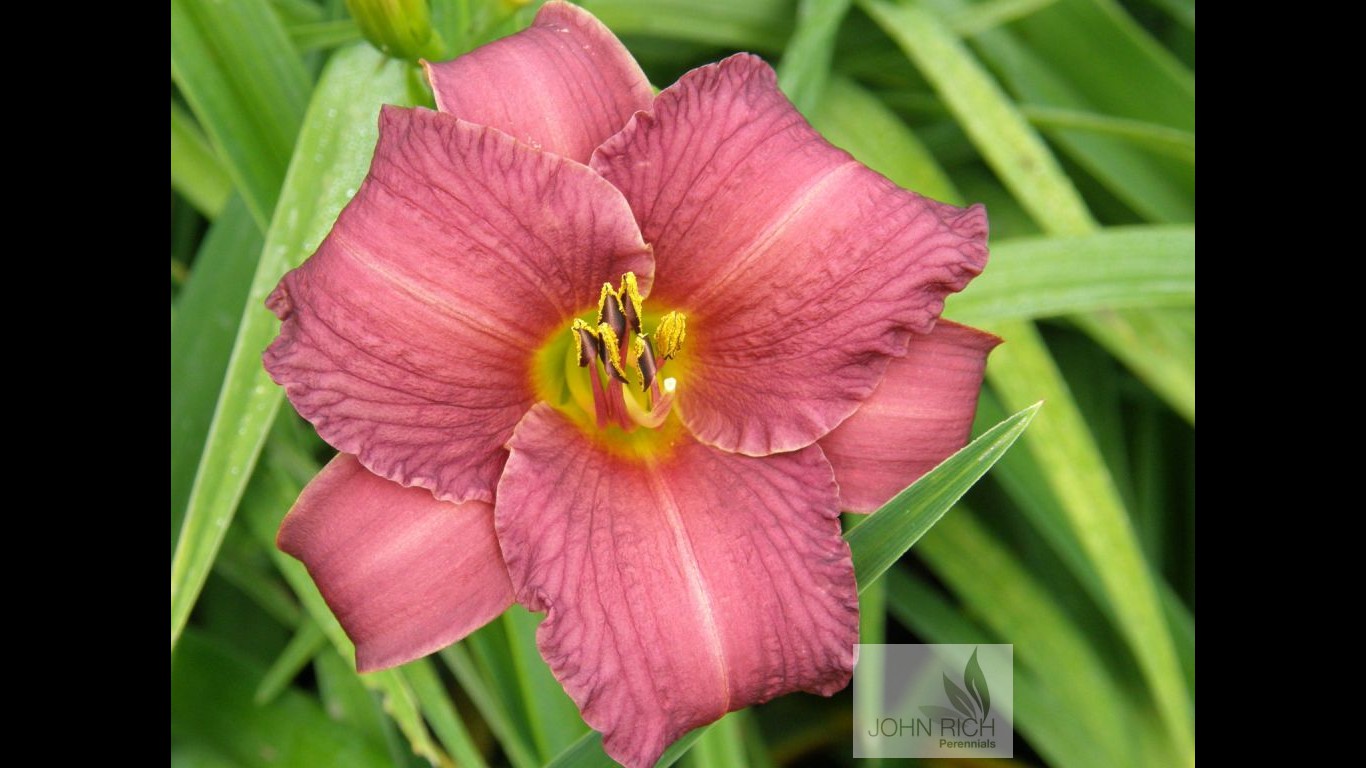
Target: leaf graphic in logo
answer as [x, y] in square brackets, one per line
[976, 683]
[958, 698]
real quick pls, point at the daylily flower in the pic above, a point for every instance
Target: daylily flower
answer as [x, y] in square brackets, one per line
[622, 358]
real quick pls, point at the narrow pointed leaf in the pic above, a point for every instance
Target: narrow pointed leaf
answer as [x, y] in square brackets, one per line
[887, 534]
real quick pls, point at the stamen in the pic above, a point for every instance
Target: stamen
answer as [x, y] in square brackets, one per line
[669, 336]
[617, 338]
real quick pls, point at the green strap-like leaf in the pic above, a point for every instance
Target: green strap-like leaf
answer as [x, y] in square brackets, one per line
[244, 81]
[886, 535]
[1049, 276]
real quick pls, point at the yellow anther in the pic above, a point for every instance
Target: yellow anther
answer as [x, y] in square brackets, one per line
[669, 336]
[630, 292]
[613, 348]
[637, 349]
[582, 333]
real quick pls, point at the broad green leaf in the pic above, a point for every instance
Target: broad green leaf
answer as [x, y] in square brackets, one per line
[805, 67]
[196, 172]
[1050, 276]
[208, 310]
[886, 535]
[1157, 346]
[212, 706]
[240, 75]
[1096, 515]
[334, 150]
[1000, 133]
[856, 121]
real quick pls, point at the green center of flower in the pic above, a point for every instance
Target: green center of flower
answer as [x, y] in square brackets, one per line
[606, 371]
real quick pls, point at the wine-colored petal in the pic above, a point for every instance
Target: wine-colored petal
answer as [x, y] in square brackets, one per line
[801, 272]
[564, 84]
[917, 417]
[409, 336]
[676, 588]
[404, 573]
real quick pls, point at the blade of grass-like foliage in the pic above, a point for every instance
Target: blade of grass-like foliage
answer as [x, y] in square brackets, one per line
[1159, 138]
[721, 746]
[587, 752]
[872, 629]
[321, 35]
[859, 123]
[308, 640]
[1156, 187]
[805, 67]
[440, 712]
[1159, 347]
[876, 543]
[212, 706]
[492, 652]
[1181, 10]
[1049, 276]
[888, 533]
[1122, 54]
[519, 752]
[1007, 598]
[1022, 370]
[208, 310]
[753, 25]
[554, 719]
[335, 147]
[243, 80]
[297, 11]
[346, 699]
[1005, 139]
[1026, 482]
[979, 17]
[1096, 516]
[196, 172]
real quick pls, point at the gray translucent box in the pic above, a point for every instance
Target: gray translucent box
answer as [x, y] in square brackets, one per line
[934, 701]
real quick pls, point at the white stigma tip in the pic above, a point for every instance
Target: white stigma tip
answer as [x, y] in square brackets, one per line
[670, 384]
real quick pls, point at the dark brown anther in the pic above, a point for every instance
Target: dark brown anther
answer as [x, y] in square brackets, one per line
[590, 346]
[648, 366]
[612, 315]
